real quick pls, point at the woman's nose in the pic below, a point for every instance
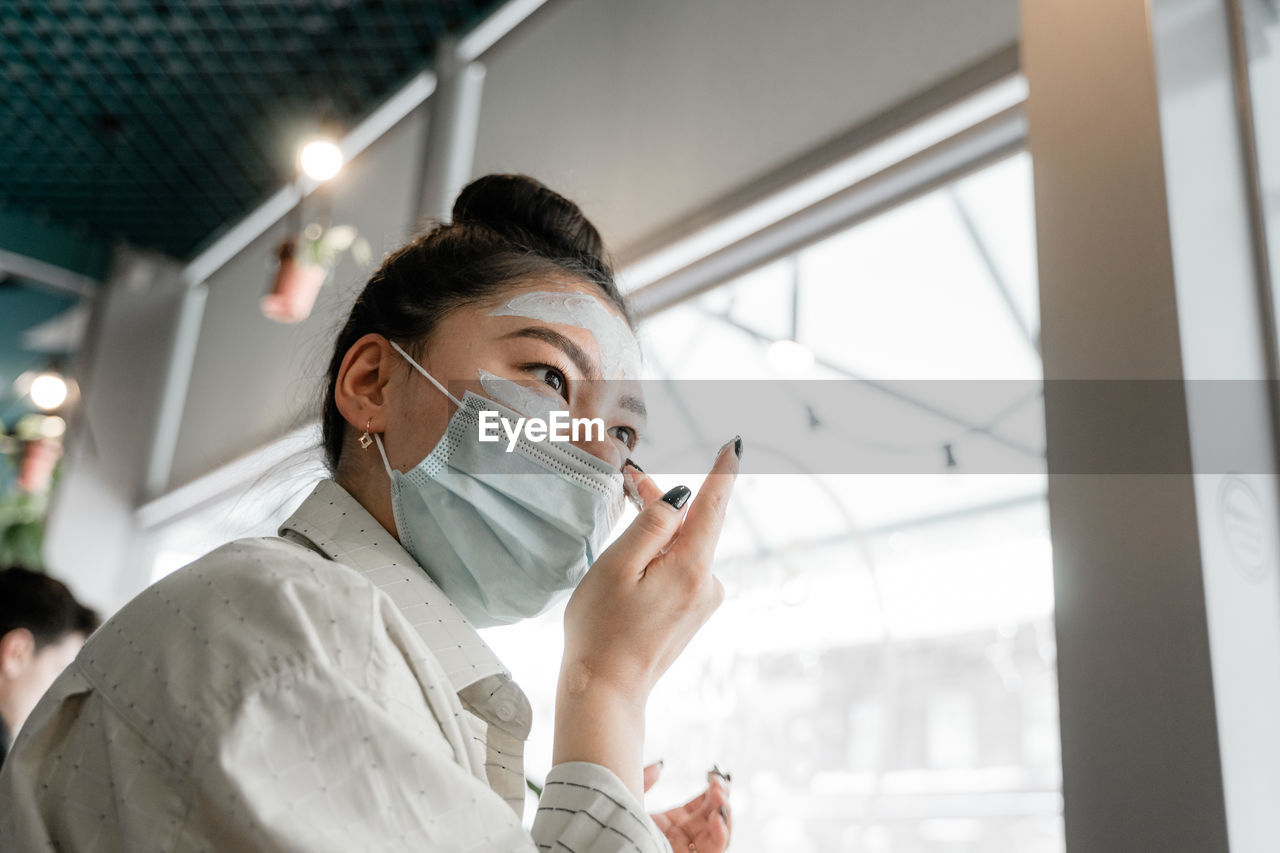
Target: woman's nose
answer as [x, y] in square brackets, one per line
[607, 451]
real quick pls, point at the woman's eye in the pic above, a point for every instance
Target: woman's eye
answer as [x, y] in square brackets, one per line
[626, 435]
[553, 377]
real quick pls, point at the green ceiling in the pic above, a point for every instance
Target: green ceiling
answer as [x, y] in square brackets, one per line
[161, 123]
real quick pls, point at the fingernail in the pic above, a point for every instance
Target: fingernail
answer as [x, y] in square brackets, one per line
[715, 770]
[633, 465]
[630, 489]
[735, 443]
[677, 496]
[661, 762]
[724, 816]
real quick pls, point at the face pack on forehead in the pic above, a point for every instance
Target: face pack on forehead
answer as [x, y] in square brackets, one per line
[619, 351]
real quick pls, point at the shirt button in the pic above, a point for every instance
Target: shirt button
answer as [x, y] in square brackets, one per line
[506, 710]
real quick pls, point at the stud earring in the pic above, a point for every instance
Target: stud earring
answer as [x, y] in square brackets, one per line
[365, 440]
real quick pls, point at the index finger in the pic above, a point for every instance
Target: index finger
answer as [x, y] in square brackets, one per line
[701, 529]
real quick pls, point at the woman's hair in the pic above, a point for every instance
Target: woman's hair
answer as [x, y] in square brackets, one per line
[505, 228]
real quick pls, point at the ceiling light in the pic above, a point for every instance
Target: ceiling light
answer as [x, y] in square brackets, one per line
[790, 358]
[320, 159]
[48, 391]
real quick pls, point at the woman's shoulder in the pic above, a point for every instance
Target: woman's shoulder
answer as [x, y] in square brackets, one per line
[260, 579]
[200, 640]
[263, 561]
[273, 585]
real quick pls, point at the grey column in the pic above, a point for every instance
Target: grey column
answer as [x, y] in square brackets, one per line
[177, 378]
[1167, 601]
[112, 446]
[451, 132]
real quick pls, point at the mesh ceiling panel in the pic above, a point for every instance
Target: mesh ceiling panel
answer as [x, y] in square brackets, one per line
[162, 122]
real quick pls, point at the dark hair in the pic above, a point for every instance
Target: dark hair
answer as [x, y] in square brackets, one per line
[43, 606]
[504, 228]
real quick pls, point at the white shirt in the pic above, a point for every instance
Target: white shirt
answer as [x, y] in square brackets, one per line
[314, 691]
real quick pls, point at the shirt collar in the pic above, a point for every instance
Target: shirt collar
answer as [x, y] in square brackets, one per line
[335, 524]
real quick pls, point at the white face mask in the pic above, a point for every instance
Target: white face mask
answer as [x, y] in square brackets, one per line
[504, 534]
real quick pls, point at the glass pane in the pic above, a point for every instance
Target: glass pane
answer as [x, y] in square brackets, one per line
[882, 674]
[1262, 38]
[909, 295]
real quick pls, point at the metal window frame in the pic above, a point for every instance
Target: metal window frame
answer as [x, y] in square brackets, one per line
[966, 147]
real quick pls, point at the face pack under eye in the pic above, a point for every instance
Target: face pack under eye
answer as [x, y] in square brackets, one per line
[550, 375]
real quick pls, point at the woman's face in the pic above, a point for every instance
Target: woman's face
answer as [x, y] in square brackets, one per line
[535, 347]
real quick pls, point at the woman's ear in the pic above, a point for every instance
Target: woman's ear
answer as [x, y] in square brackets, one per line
[17, 648]
[360, 389]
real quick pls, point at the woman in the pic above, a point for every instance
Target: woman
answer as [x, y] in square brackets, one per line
[326, 689]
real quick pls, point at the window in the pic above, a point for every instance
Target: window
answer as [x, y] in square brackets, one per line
[882, 675]
[1262, 43]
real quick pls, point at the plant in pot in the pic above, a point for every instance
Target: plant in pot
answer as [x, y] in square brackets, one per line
[28, 470]
[306, 260]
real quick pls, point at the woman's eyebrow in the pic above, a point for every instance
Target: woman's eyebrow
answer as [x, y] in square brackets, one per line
[568, 347]
[633, 404]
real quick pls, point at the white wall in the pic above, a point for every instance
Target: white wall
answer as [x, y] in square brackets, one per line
[647, 112]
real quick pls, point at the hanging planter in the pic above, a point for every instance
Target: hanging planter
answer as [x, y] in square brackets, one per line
[37, 446]
[305, 263]
[36, 464]
[296, 286]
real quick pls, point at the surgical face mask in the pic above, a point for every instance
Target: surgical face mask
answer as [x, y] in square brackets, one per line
[503, 533]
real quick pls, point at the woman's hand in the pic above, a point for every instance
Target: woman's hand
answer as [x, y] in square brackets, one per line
[652, 589]
[703, 824]
[632, 615]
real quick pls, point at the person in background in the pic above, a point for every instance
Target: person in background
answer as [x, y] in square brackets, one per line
[42, 627]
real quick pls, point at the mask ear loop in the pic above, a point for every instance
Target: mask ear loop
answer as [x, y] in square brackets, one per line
[377, 439]
[423, 371]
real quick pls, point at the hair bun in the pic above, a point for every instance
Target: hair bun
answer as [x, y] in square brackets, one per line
[527, 212]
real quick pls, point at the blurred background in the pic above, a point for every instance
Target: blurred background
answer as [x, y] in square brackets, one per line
[927, 199]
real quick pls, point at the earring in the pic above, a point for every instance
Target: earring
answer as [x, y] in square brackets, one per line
[365, 440]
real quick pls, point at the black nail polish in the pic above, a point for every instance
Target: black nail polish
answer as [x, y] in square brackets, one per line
[677, 497]
[633, 465]
[737, 446]
[724, 816]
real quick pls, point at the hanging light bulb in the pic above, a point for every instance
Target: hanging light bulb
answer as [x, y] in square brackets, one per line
[320, 159]
[48, 391]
